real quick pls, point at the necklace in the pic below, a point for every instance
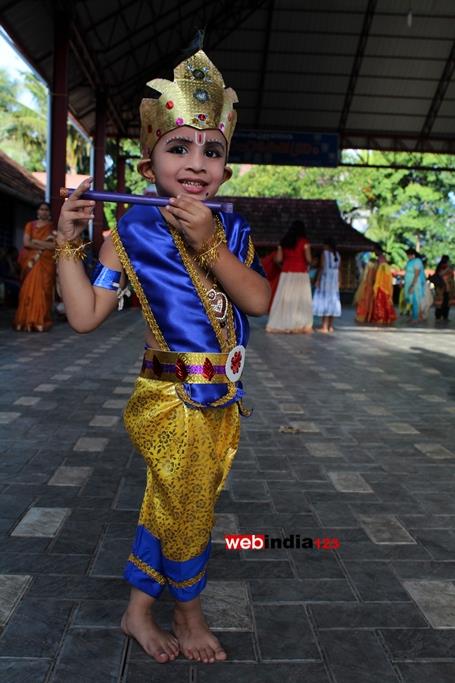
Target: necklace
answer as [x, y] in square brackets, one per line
[219, 303]
[215, 308]
[217, 299]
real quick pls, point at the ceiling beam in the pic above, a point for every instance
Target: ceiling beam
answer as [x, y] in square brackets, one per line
[170, 26]
[111, 15]
[363, 38]
[396, 142]
[265, 57]
[87, 65]
[228, 17]
[444, 81]
[415, 167]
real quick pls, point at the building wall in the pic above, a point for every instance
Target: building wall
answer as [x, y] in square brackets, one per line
[14, 214]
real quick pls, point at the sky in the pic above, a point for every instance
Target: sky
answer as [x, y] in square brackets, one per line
[13, 63]
[11, 60]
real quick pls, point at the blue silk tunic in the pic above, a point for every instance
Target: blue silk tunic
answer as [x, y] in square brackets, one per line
[167, 292]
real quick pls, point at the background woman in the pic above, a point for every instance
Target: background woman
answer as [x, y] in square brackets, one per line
[291, 309]
[364, 296]
[444, 287]
[383, 312]
[326, 301]
[37, 274]
[414, 285]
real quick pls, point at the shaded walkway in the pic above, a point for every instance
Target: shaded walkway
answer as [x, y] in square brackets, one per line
[352, 438]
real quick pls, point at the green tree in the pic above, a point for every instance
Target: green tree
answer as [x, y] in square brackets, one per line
[23, 129]
[403, 206]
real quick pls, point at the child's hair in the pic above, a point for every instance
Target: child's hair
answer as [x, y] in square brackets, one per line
[295, 232]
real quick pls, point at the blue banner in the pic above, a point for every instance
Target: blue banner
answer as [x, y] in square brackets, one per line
[284, 149]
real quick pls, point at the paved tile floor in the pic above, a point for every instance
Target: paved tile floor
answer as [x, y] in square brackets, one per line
[352, 439]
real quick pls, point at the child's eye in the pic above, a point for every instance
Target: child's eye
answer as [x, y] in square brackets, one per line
[178, 149]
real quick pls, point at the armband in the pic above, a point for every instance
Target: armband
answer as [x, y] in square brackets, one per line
[105, 277]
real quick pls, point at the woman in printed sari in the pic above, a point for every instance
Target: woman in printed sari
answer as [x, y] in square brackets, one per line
[383, 312]
[37, 274]
[414, 285]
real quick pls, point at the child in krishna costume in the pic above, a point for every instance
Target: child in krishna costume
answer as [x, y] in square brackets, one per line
[197, 278]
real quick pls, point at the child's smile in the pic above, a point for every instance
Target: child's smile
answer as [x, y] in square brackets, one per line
[193, 185]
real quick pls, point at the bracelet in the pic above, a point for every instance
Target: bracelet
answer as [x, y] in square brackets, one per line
[74, 250]
[209, 253]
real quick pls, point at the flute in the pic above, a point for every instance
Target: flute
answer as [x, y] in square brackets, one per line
[65, 192]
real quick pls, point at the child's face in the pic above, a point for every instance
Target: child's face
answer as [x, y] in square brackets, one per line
[189, 161]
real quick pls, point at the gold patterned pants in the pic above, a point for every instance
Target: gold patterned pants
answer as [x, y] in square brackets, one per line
[188, 453]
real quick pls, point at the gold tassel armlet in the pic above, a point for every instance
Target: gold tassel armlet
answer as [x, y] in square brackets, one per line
[74, 250]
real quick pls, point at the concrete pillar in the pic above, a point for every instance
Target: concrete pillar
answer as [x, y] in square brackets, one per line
[58, 111]
[100, 148]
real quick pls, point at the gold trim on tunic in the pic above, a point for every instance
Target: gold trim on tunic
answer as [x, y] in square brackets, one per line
[250, 253]
[132, 277]
[155, 328]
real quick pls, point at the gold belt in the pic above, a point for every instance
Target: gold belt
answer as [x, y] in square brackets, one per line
[188, 368]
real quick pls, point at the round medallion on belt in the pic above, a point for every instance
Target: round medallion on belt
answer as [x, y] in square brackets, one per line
[235, 362]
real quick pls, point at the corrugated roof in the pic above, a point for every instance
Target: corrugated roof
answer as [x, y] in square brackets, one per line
[356, 67]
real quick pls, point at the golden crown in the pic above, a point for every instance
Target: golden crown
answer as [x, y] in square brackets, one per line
[196, 97]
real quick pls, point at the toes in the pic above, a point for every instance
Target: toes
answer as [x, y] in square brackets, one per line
[161, 657]
[175, 649]
[170, 654]
[171, 647]
[205, 655]
[220, 655]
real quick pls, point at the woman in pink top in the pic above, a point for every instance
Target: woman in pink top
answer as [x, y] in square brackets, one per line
[292, 309]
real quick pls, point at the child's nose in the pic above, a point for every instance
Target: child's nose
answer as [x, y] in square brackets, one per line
[196, 159]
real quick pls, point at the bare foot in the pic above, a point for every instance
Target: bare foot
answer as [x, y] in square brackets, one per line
[194, 636]
[140, 625]
[323, 330]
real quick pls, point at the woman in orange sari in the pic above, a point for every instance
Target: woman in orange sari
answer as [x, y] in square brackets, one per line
[37, 265]
[364, 296]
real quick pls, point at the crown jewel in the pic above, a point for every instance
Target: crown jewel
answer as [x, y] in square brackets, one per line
[196, 97]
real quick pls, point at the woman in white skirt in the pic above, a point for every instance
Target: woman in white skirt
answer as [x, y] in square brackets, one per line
[326, 300]
[291, 309]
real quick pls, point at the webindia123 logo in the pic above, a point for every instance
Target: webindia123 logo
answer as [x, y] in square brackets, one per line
[291, 542]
